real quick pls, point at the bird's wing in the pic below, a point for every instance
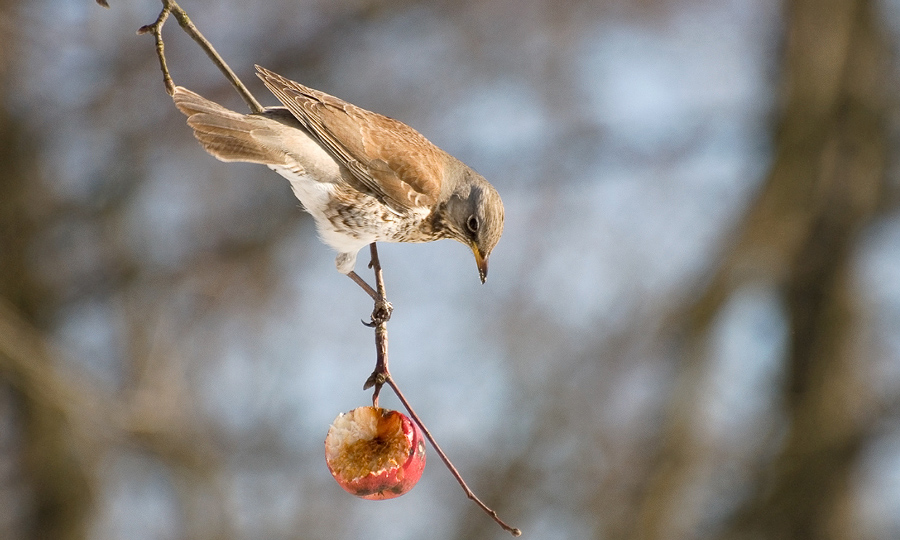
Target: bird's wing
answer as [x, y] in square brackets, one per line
[391, 160]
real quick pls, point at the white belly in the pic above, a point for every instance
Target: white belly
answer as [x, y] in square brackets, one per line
[316, 197]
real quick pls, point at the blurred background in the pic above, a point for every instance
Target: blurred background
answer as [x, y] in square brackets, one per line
[691, 327]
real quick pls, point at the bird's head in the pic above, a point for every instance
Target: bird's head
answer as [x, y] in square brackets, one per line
[474, 216]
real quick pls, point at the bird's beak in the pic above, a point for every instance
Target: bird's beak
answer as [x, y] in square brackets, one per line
[482, 263]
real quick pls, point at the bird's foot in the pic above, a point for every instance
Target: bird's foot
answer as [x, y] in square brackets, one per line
[381, 314]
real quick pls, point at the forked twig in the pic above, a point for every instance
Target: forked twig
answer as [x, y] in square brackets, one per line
[172, 7]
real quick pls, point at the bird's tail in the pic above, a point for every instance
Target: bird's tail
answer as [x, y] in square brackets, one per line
[232, 136]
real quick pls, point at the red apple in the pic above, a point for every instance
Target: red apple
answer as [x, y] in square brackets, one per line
[375, 453]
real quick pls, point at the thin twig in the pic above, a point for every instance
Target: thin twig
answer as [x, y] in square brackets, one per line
[469, 493]
[381, 373]
[380, 316]
[156, 30]
[172, 7]
[383, 308]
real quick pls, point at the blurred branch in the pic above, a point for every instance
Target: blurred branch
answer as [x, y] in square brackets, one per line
[58, 483]
[28, 363]
[71, 424]
[55, 413]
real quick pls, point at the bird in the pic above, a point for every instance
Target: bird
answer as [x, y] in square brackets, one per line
[364, 177]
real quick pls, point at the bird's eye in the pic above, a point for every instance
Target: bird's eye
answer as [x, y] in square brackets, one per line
[472, 224]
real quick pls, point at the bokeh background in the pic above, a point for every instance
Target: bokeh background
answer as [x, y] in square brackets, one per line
[691, 327]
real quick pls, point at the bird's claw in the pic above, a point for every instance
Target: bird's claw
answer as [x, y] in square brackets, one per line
[381, 314]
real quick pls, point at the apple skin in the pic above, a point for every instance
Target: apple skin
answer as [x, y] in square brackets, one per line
[375, 453]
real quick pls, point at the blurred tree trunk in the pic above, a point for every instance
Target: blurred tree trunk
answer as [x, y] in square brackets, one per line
[832, 149]
[56, 483]
[824, 188]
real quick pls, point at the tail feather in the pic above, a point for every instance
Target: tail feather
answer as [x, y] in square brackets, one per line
[228, 135]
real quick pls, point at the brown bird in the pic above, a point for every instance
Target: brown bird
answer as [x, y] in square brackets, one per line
[362, 176]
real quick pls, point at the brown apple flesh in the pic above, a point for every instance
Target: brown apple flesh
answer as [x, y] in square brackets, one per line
[375, 453]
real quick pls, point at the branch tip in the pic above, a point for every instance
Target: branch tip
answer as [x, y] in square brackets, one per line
[172, 7]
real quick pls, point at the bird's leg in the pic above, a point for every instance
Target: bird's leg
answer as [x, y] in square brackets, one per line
[383, 308]
[362, 283]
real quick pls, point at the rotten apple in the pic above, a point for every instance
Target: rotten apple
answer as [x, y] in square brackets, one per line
[375, 453]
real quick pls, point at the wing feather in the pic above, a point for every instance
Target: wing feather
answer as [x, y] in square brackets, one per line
[392, 160]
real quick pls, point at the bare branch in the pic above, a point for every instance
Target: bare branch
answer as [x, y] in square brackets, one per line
[469, 493]
[172, 7]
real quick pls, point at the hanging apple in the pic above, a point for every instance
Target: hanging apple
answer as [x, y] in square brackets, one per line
[375, 453]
